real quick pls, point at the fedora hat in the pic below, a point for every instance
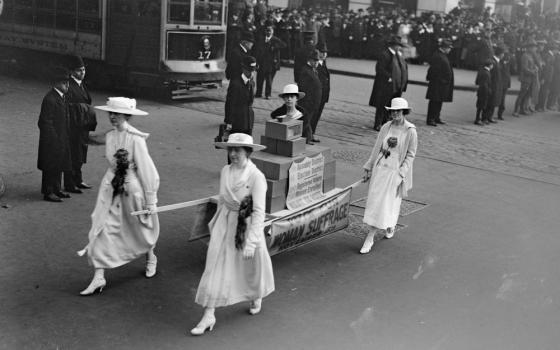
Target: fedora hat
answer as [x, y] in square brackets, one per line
[398, 103]
[240, 140]
[292, 89]
[249, 62]
[121, 105]
[75, 62]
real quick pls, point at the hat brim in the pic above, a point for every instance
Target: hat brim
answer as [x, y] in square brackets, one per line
[225, 145]
[300, 94]
[397, 109]
[134, 111]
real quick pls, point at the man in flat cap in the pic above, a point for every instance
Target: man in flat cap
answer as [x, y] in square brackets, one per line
[54, 144]
[82, 120]
[238, 53]
[239, 115]
[440, 82]
[391, 79]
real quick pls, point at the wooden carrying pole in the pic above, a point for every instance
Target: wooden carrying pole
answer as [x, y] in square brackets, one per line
[175, 206]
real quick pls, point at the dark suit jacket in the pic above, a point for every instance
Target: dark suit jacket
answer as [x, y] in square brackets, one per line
[233, 68]
[483, 92]
[325, 78]
[54, 144]
[300, 59]
[440, 79]
[392, 67]
[239, 105]
[268, 54]
[82, 120]
[310, 84]
[496, 84]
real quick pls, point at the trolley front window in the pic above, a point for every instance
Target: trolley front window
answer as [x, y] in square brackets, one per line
[179, 11]
[195, 46]
[207, 12]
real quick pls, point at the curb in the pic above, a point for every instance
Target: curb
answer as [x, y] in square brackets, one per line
[413, 82]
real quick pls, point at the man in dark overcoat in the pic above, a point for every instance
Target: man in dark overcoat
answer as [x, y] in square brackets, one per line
[506, 65]
[267, 53]
[310, 84]
[440, 82]
[82, 120]
[54, 144]
[239, 114]
[325, 78]
[496, 85]
[303, 53]
[238, 53]
[391, 79]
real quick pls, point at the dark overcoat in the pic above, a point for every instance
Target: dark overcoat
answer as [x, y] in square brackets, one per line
[483, 91]
[300, 59]
[440, 78]
[392, 67]
[82, 120]
[239, 105]
[310, 84]
[54, 144]
[268, 54]
[325, 78]
[234, 64]
[496, 84]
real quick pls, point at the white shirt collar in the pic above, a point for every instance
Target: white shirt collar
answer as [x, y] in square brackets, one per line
[59, 92]
[79, 82]
[243, 48]
[392, 51]
[245, 79]
[497, 59]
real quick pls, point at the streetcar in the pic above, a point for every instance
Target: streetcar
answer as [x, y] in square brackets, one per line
[178, 44]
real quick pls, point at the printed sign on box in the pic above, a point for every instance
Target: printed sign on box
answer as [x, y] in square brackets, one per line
[305, 182]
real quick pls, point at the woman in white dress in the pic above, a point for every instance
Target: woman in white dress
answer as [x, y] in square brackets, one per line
[130, 184]
[238, 267]
[389, 169]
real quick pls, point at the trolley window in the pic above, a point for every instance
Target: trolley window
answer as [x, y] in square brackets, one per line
[179, 11]
[208, 12]
[191, 46]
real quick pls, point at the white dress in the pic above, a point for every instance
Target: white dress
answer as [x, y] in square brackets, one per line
[384, 201]
[228, 278]
[116, 237]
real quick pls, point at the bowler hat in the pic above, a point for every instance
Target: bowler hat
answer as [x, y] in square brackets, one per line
[75, 62]
[59, 74]
[394, 40]
[313, 55]
[247, 36]
[249, 62]
[322, 47]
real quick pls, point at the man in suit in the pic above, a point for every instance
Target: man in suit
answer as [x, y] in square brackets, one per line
[239, 99]
[496, 85]
[54, 144]
[302, 54]
[267, 52]
[527, 74]
[325, 77]
[391, 79]
[238, 53]
[82, 120]
[440, 82]
[505, 65]
[310, 84]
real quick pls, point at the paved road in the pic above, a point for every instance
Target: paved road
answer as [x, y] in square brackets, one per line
[476, 268]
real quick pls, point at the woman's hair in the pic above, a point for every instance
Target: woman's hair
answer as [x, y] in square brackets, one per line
[249, 151]
[245, 210]
[406, 111]
[121, 158]
[127, 117]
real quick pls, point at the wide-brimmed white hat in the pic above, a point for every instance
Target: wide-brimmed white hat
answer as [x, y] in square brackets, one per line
[398, 103]
[292, 89]
[121, 105]
[240, 140]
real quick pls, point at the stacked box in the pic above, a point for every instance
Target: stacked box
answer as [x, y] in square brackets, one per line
[288, 130]
[276, 167]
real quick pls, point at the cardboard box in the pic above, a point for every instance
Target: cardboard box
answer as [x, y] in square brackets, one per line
[290, 148]
[328, 184]
[330, 169]
[276, 188]
[275, 204]
[287, 130]
[275, 167]
[270, 144]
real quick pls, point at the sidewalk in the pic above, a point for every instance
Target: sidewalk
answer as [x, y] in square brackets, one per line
[464, 79]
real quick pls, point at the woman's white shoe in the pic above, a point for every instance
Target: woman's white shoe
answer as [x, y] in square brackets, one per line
[207, 322]
[255, 307]
[97, 283]
[389, 232]
[368, 244]
[151, 265]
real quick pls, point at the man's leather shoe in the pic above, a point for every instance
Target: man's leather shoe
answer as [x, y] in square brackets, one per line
[83, 185]
[73, 190]
[500, 118]
[315, 140]
[63, 195]
[431, 123]
[440, 122]
[492, 121]
[51, 197]
[478, 122]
